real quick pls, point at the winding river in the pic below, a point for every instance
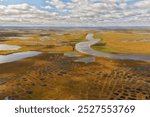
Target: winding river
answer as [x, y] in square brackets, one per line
[85, 47]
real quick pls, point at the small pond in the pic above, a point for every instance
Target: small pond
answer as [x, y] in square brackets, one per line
[17, 56]
[71, 55]
[9, 47]
[86, 60]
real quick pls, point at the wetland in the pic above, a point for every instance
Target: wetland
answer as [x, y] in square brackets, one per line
[72, 64]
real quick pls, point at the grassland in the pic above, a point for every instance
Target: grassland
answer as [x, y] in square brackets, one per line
[53, 41]
[128, 42]
[52, 75]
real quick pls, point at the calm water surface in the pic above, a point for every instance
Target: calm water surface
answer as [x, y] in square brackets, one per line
[18, 56]
[9, 47]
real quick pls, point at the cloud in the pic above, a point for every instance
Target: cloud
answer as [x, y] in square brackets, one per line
[23, 14]
[142, 4]
[56, 3]
[78, 13]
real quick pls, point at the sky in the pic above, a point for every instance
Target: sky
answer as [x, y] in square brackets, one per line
[75, 13]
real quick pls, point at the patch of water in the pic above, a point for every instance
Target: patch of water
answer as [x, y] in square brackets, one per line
[17, 56]
[71, 55]
[9, 47]
[86, 60]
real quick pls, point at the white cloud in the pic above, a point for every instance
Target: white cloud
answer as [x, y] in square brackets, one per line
[56, 3]
[78, 12]
[23, 14]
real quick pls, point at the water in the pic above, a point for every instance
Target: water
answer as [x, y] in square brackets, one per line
[86, 60]
[71, 55]
[9, 47]
[17, 56]
[85, 47]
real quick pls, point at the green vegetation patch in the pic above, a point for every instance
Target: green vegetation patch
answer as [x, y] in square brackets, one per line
[104, 49]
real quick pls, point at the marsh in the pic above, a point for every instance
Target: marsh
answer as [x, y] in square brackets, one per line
[39, 68]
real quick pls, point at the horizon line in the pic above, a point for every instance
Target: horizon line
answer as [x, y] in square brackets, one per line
[43, 26]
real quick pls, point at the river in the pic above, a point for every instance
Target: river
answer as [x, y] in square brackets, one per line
[85, 47]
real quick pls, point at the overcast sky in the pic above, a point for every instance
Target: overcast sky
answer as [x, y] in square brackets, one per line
[75, 12]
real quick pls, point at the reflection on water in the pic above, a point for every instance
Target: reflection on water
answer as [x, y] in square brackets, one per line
[71, 55]
[17, 56]
[9, 47]
[86, 60]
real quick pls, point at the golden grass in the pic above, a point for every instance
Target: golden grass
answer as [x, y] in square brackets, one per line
[124, 42]
[50, 44]
[54, 76]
